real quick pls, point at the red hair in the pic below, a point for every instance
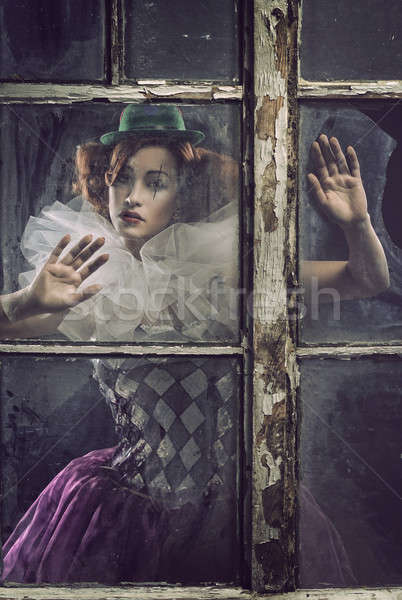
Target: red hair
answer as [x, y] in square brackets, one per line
[210, 180]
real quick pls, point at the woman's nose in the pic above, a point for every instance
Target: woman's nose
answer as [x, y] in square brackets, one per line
[134, 197]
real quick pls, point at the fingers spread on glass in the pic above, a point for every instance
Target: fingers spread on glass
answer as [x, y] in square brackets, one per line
[320, 165]
[76, 250]
[56, 287]
[339, 156]
[353, 161]
[56, 252]
[328, 155]
[87, 252]
[93, 266]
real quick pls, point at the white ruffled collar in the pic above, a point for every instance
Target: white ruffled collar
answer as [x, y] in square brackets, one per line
[165, 296]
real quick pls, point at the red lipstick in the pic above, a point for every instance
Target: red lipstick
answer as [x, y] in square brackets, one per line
[131, 216]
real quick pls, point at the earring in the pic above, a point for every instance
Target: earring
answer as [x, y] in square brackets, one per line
[176, 217]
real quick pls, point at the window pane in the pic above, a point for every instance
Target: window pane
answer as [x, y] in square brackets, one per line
[351, 40]
[159, 503]
[47, 40]
[350, 494]
[184, 285]
[47, 420]
[182, 40]
[379, 151]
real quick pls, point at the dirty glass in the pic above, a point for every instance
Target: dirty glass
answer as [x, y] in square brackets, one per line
[155, 500]
[182, 40]
[375, 133]
[350, 460]
[185, 285]
[351, 40]
[47, 40]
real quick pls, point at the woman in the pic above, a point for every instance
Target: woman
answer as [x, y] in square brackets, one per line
[199, 181]
[337, 187]
[133, 512]
[110, 516]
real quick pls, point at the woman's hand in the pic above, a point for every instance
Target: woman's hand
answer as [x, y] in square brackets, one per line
[339, 190]
[337, 184]
[56, 286]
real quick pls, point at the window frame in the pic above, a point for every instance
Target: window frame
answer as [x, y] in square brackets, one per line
[269, 94]
[118, 89]
[329, 91]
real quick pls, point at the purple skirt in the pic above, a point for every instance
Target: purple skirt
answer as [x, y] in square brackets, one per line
[86, 526]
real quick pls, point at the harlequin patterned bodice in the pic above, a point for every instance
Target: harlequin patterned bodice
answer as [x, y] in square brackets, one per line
[177, 424]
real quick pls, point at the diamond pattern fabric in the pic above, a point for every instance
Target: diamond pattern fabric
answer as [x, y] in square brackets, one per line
[176, 420]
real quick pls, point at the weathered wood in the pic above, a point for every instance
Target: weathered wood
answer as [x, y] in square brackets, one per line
[122, 593]
[247, 247]
[347, 89]
[273, 537]
[21, 93]
[348, 352]
[116, 49]
[129, 350]
[191, 593]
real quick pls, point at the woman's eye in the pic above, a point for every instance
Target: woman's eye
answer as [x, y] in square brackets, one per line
[157, 184]
[123, 179]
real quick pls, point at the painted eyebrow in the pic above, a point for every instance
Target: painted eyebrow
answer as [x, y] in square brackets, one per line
[150, 172]
[158, 172]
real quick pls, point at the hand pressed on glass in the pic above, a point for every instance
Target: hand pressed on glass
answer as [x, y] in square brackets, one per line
[338, 189]
[338, 186]
[56, 286]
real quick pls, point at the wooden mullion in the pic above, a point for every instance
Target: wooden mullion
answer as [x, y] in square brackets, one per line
[345, 352]
[330, 90]
[116, 42]
[42, 93]
[275, 372]
[246, 262]
[164, 592]
[51, 348]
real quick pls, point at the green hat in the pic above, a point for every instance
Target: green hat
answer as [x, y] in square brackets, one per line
[156, 119]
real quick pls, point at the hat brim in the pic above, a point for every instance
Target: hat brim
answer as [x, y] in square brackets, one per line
[188, 135]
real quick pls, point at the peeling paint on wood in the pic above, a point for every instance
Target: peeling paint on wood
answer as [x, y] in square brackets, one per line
[349, 352]
[125, 592]
[341, 89]
[274, 357]
[115, 43]
[128, 350]
[266, 115]
[66, 94]
[191, 593]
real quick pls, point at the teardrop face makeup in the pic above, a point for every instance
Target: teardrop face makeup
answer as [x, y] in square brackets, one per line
[142, 198]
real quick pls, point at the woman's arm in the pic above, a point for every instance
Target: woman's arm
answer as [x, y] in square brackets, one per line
[55, 289]
[339, 191]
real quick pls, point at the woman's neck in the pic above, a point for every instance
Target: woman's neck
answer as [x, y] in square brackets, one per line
[134, 246]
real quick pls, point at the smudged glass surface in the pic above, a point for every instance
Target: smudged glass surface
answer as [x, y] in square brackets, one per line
[351, 40]
[153, 500]
[40, 142]
[378, 147]
[52, 41]
[182, 40]
[350, 458]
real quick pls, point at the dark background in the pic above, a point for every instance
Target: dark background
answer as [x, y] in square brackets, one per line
[351, 40]
[350, 461]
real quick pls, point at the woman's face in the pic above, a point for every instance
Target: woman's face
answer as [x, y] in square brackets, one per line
[142, 197]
